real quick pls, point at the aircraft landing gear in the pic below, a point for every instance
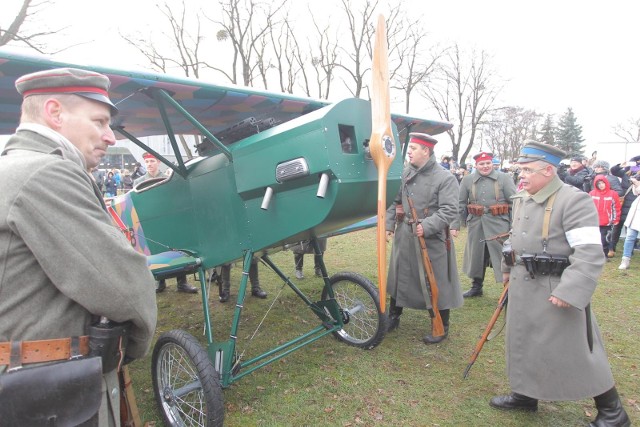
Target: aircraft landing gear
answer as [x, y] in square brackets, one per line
[364, 323]
[185, 383]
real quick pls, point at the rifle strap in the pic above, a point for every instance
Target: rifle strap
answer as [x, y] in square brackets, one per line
[547, 216]
[496, 188]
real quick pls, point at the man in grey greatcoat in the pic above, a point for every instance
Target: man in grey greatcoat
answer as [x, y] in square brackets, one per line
[63, 263]
[153, 171]
[485, 206]
[434, 192]
[554, 350]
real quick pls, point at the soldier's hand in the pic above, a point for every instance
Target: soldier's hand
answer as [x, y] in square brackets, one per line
[454, 233]
[389, 236]
[558, 302]
[505, 277]
[419, 230]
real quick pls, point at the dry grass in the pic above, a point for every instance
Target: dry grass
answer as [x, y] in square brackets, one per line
[402, 382]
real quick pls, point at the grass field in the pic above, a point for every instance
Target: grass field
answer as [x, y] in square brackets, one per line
[402, 382]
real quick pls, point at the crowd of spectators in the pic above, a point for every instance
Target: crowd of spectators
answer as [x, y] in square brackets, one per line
[582, 172]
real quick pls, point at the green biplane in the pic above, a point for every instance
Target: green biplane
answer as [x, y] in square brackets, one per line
[273, 169]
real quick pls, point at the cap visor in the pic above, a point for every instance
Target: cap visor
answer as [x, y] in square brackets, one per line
[100, 98]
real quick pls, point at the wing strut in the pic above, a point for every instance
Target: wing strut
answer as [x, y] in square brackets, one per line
[382, 145]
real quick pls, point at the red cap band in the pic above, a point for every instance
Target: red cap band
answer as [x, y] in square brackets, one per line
[480, 157]
[421, 141]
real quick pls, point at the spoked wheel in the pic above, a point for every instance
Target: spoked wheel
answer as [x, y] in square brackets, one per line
[365, 325]
[185, 383]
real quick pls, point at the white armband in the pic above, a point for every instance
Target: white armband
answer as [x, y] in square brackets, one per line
[583, 236]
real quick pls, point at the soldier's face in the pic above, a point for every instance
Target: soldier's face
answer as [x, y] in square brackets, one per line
[86, 124]
[418, 155]
[152, 165]
[535, 175]
[484, 167]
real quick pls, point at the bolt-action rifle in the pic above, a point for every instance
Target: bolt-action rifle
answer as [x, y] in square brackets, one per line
[437, 328]
[499, 237]
[502, 302]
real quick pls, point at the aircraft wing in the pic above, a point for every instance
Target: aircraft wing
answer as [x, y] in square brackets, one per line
[229, 112]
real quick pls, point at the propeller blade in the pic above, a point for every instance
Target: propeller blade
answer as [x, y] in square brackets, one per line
[381, 144]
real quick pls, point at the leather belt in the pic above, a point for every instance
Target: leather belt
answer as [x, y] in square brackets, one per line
[43, 350]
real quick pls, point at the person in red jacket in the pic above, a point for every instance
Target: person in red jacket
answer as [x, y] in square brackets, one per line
[608, 205]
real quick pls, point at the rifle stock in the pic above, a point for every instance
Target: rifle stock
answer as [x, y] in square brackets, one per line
[476, 352]
[437, 328]
[129, 414]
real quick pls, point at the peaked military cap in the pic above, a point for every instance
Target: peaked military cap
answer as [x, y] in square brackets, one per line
[88, 84]
[422, 139]
[534, 150]
[482, 156]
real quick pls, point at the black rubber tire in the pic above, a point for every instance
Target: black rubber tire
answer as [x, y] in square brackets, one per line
[357, 296]
[185, 383]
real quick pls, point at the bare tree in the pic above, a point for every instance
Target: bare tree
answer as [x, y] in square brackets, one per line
[462, 93]
[505, 130]
[182, 47]
[357, 57]
[25, 28]
[629, 131]
[324, 60]
[244, 23]
[413, 60]
[285, 50]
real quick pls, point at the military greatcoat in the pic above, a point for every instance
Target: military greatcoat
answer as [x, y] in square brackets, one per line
[63, 263]
[547, 351]
[435, 190]
[497, 187]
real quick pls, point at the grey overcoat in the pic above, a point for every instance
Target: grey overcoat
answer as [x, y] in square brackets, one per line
[487, 225]
[435, 189]
[546, 346]
[63, 262]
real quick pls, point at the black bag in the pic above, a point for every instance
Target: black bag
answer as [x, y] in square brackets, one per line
[60, 394]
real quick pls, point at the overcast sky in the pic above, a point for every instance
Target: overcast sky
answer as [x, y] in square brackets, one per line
[553, 54]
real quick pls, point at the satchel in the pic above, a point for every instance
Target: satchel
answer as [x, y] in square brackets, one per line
[60, 394]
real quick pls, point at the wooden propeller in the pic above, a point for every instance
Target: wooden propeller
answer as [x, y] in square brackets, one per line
[381, 144]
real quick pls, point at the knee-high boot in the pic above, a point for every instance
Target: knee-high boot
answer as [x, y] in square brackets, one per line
[610, 411]
[430, 339]
[256, 291]
[394, 316]
[299, 261]
[226, 282]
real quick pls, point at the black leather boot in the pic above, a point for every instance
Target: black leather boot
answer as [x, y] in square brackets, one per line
[514, 401]
[430, 339]
[475, 291]
[162, 285]
[256, 290]
[610, 411]
[394, 316]
[185, 287]
[226, 283]
[316, 265]
[299, 261]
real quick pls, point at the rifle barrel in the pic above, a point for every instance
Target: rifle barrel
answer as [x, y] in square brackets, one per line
[437, 327]
[502, 301]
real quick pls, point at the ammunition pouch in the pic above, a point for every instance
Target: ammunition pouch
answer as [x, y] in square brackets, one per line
[508, 254]
[109, 342]
[399, 213]
[475, 209]
[65, 393]
[544, 264]
[499, 209]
